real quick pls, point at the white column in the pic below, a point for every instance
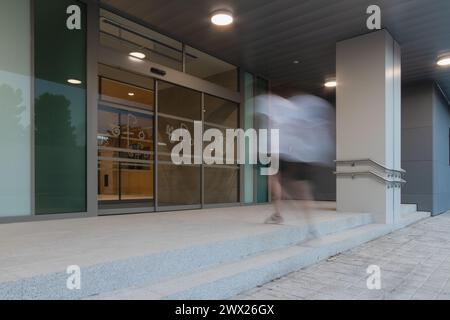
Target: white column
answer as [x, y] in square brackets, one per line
[368, 72]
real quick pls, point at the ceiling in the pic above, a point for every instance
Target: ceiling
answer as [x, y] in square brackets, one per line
[268, 35]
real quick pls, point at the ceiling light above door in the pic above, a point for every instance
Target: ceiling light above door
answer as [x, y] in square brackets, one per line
[222, 18]
[331, 83]
[444, 61]
[138, 55]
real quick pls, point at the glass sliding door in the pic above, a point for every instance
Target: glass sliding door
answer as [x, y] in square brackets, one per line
[221, 181]
[178, 185]
[125, 140]
[137, 115]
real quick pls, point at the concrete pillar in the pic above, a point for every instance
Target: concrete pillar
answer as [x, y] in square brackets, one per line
[368, 116]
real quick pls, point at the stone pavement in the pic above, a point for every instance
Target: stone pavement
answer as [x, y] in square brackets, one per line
[414, 264]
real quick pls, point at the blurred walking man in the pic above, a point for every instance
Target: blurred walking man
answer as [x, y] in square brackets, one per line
[306, 124]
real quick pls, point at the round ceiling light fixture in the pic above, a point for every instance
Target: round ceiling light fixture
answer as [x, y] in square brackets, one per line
[138, 55]
[222, 18]
[74, 81]
[331, 83]
[444, 61]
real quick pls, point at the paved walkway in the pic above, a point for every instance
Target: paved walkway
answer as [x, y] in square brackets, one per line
[414, 264]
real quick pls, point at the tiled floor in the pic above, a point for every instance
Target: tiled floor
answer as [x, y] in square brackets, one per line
[414, 264]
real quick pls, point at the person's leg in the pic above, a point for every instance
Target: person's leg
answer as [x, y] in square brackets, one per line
[307, 196]
[305, 189]
[277, 194]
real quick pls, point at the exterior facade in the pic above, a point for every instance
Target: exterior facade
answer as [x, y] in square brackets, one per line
[89, 97]
[87, 123]
[99, 98]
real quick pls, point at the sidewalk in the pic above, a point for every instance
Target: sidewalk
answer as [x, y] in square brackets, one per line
[414, 262]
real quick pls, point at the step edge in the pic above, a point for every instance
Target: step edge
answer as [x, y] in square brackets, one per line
[361, 236]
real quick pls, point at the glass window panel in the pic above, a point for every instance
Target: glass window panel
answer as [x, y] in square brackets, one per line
[165, 127]
[60, 109]
[178, 101]
[207, 67]
[221, 112]
[226, 157]
[126, 36]
[108, 180]
[126, 138]
[124, 93]
[221, 180]
[178, 185]
[15, 102]
[126, 88]
[136, 182]
[221, 184]
[125, 143]
[125, 77]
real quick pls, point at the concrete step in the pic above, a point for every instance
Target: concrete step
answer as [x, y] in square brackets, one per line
[227, 280]
[408, 208]
[410, 215]
[156, 267]
[216, 269]
[407, 219]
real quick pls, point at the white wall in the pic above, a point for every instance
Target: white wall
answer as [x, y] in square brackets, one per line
[368, 121]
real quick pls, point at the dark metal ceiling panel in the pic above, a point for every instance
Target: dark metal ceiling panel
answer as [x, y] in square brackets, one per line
[269, 35]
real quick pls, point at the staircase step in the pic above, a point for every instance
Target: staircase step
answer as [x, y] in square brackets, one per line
[408, 208]
[156, 267]
[227, 280]
[411, 218]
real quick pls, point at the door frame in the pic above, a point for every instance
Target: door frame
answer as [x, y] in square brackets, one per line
[119, 60]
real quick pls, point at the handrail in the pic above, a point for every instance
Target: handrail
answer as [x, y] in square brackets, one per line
[371, 162]
[370, 173]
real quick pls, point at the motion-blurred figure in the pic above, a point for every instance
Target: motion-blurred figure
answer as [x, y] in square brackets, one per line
[307, 138]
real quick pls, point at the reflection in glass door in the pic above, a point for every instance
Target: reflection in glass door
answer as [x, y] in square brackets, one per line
[125, 143]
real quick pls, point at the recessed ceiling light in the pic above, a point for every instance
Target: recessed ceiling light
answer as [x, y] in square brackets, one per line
[444, 61]
[330, 83]
[222, 18]
[74, 81]
[296, 62]
[137, 54]
[131, 94]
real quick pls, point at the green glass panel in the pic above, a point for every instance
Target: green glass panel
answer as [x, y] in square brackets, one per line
[262, 190]
[248, 124]
[60, 109]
